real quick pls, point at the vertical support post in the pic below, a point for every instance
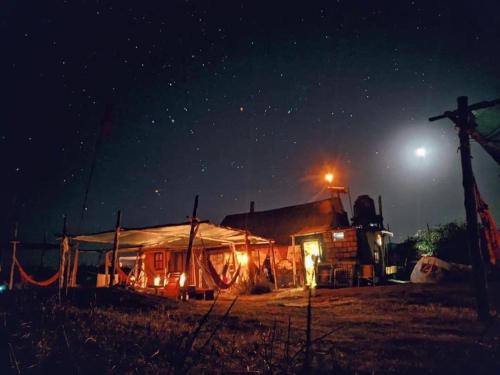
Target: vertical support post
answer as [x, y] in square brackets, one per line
[191, 238]
[106, 265]
[14, 243]
[294, 265]
[193, 268]
[380, 212]
[115, 247]
[62, 254]
[250, 264]
[273, 265]
[479, 278]
[74, 273]
[68, 269]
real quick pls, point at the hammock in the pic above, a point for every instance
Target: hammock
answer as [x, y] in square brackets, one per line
[209, 269]
[216, 278]
[29, 279]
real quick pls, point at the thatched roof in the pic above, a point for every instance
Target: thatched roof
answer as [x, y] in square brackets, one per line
[281, 223]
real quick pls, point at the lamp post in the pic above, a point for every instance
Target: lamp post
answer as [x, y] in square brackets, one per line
[335, 191]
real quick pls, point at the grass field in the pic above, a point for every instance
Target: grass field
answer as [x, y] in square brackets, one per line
[400, 328]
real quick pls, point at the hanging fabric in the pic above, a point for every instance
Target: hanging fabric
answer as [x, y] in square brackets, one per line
[490, 232]
[29, 279]
[122, 275]
[209, 269]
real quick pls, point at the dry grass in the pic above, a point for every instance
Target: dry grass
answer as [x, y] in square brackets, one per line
[403, 328]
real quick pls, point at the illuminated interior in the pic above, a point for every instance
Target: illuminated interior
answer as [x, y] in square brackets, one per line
[312, 252]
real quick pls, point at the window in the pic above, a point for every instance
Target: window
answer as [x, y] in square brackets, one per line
[338, 236]
[158, 261]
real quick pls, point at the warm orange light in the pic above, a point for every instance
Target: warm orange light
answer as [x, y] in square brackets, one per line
[329, 177]
[182, 280]
[157, 281]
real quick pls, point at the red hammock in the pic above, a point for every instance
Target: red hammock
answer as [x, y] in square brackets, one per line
[29, 279]
[216, 278]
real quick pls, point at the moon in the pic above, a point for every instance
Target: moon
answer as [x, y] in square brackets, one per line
[421, 152]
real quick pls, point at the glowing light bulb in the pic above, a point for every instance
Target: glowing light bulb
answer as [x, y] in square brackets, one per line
[329, 177]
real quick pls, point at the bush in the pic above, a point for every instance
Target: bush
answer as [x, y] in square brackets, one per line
[447, 242]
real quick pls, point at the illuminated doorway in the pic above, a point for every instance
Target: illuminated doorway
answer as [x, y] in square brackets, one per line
[312, 252]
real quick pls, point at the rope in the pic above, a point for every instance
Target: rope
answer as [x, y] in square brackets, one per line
[29, 279]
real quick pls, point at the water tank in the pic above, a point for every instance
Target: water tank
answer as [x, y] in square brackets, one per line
[364, 212]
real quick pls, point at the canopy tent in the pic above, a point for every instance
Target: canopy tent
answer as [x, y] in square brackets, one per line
[174, 236]
[487, 130]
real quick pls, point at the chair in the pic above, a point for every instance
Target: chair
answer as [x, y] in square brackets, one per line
[343, 275]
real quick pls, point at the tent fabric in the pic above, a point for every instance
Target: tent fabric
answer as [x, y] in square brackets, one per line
[429, 270]
[174, 236]
[487, 130]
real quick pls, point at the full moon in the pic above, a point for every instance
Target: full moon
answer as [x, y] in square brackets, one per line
[421, 152]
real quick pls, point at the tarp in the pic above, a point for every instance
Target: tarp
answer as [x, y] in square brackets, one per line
[174, 236]
[487, 130]
[432, 270]
[429, 270]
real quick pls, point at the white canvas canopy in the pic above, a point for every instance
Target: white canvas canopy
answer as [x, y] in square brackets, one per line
[174, 236]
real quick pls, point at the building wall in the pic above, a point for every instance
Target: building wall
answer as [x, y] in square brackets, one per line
[340, 246]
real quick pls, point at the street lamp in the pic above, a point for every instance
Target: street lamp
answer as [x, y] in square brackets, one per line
[329, 177]
[335, 191]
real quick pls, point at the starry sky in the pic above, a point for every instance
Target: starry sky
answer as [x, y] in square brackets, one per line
[237, 101]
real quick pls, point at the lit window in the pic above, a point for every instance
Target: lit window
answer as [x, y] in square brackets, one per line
[158, 261]
[338, 236]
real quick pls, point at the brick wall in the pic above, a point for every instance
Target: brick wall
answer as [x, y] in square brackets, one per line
[338, 250]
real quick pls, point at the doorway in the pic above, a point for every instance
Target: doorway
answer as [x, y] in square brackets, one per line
[312, 253]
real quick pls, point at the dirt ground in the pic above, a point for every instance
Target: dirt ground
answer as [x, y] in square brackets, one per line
[399, 328]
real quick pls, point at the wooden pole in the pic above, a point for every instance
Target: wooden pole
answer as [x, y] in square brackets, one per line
[273, 265]
[462, 119]
[14, 243]
[75, 267]
[62, 256]
[193, 268]
[194, 221]
[294, 266]
[68, 270]
[62, 253]
[479, 278]
[106, 266]
[115, 247]
[251, 264]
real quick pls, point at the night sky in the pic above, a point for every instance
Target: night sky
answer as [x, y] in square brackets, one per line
[237, 101]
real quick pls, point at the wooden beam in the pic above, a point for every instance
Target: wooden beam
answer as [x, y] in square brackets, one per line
[189, 251]
[14, 243]
[115, 247]
[294, 266]
[479, 278]
[462, 119]
[74, 273]
[250, 264]
[273, 265]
